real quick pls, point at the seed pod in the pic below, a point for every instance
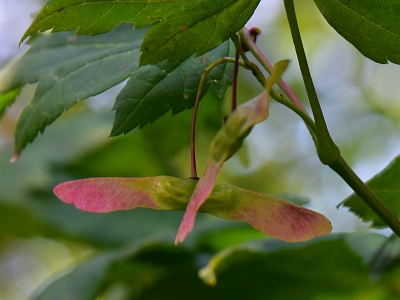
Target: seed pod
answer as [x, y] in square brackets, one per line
[275, 217]
[226, 143]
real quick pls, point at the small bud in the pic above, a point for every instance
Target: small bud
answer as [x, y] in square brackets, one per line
[254, 32]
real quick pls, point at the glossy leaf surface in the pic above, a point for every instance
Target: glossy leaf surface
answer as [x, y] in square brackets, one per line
[180, 27]
[155, 89]
[372, 26]
[70, 69]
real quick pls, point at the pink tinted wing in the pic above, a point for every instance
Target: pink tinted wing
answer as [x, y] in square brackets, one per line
[107, 194]
[280, 219]
[202, 191]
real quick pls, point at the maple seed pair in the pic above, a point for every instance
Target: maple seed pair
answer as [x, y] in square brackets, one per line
[272, 216]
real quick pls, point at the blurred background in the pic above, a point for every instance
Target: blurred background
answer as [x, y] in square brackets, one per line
[40, 237]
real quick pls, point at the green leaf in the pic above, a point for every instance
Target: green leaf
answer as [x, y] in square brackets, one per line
[180, 27]
[86, 71]
[326, 268]
[83, 283]
[19, 221]
[155, 89]
[387, 256]
[137, 266]
[372, 26]
[79, 67]
[296, 199]
[6, 99]
[218, 240]
[73, 139]
[302, 266]
[29, 207]
[87, 164]
[386, 186]
[48, 52]
[194, 26]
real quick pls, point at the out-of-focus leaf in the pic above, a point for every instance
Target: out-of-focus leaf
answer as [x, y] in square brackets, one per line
[50, 52]
[306, 268]
[296, 199]
[373, 26]
[169, 135]
[387, 257]
[218, 240]
[82, 283]
[38, 171]
[102, 162]
[154, 90]
[76, 133]
[157, 259]
[255, 271]
[180, 28]
[386, 186]
[155, 145]
[137, 266]
[18, 221]
[367, 245]
[7, 98]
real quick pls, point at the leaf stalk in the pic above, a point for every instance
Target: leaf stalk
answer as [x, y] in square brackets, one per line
[328, 152]
[196, 108]
[276, 96]
[248, 41]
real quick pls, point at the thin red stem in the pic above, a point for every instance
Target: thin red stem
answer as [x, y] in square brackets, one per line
[260, 56]
[196, 108]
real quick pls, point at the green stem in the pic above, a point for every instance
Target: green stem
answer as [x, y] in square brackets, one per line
[328, 152]
[278, 97]
[246, 38]
[296, 105]
[366, 194]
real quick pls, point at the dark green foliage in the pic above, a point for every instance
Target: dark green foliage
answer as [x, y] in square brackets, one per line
[180, 28]
[77, 68]
[261, 270]
[372, 26]
[70, 69]
[155, 89]
[386, 185]
[132, 250]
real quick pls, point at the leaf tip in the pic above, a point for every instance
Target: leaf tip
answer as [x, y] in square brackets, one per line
[15, 157]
